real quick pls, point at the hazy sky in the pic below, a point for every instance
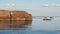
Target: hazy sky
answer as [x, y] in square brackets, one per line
[35, 7]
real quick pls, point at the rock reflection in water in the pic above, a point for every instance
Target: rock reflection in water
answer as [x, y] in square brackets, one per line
[16, 24]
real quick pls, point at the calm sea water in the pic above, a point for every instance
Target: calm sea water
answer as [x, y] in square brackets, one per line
[38, 26]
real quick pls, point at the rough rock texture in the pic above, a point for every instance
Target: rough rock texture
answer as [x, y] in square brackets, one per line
[14, 19]
[20, 15]
[4, 15]
[14, 15]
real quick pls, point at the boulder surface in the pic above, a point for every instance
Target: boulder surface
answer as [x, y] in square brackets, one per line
[14, 15]
[14, 19]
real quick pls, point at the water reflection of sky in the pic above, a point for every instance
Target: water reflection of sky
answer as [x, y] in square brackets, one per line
[35, 24]
[39, 24]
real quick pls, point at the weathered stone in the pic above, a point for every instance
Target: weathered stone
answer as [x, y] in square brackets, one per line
[14, 15]
[14, 19]
[4, 15]
[20, 15]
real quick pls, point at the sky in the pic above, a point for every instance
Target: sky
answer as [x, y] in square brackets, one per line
[34, 7]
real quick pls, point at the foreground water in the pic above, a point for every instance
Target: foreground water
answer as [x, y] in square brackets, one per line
[38, 26]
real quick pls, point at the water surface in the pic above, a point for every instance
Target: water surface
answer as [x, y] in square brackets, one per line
[38, 26]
